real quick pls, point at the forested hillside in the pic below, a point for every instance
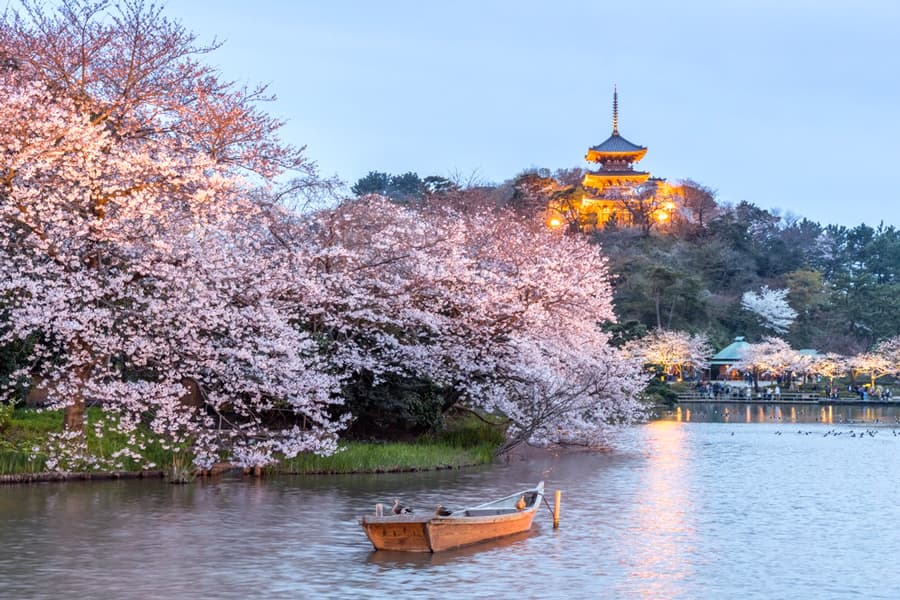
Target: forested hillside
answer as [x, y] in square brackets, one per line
[842, 280]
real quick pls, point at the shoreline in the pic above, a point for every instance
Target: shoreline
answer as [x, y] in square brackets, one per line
[67, 477]
[461, 444]
[518, 454]
[809, 401]
[62, 477]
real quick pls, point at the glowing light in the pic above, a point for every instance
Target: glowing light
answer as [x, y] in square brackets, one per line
[554, 222]
[662, 217]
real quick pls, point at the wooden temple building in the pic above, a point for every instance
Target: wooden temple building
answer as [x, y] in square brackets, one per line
[616, 193]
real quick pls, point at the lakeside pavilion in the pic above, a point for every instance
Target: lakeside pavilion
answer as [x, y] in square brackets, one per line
[615, 185]
[720, 365]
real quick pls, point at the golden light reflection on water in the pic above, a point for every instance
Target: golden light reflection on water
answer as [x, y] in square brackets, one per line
[682, 415]
[784, 413]
[664, 532]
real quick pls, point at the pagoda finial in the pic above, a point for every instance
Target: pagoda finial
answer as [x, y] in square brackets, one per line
[615, 110]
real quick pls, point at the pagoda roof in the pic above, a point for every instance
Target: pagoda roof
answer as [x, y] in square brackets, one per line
[616, 144]
[604, 178]
[615, 147]
[731, 353]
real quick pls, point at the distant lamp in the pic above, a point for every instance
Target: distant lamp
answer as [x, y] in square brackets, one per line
[555, 222]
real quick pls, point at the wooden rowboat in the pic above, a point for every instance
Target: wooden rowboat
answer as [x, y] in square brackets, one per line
[433, 533]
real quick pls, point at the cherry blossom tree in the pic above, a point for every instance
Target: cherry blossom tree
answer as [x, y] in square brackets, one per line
[890, 350]
[699, 201]
[128, 68]
[772, 356]
[131, 292]
[492, 306]
[140, 266]
[673, 350]
[874, 364]
[771, 306]
[829, 365]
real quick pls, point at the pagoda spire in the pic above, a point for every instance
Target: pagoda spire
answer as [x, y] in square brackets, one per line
[615, 130]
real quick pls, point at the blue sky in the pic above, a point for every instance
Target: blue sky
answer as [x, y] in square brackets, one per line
[791, 104]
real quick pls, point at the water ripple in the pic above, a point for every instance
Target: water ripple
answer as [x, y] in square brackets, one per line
[675, 510]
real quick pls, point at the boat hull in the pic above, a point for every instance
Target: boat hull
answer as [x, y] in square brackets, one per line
[490, 521]
[447, 534]
[406, 535]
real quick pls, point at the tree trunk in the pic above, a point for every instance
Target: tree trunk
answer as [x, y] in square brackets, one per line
[671, 312]
[73, 414]
[658, 317]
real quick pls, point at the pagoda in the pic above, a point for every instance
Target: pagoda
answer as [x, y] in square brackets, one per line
[615, 178]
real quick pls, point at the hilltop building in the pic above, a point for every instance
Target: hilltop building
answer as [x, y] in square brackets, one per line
[616, 194]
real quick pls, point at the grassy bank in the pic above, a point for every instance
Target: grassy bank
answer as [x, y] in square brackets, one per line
[361, 457]
[25, 434]
[466, 441]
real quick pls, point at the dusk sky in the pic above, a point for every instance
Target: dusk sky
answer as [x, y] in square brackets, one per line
[787, 104]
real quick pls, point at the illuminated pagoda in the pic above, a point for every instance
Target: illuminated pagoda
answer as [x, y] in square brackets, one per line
[609, 188]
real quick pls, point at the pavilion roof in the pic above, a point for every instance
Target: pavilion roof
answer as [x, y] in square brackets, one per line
[731, 353]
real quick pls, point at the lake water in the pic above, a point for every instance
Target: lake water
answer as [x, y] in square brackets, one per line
[709, 506]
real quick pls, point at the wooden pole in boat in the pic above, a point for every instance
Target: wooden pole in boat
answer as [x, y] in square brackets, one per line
[556, 502]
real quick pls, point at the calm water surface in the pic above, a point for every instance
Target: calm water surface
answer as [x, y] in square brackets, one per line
[708, 506]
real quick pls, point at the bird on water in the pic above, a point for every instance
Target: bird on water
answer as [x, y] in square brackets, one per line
[440, 511]
[399, 509]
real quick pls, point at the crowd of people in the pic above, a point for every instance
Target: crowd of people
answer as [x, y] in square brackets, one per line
[865, 392]
[772, 391]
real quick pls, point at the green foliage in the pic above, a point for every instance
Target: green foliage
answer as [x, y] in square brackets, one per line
[12, 357]
[463, 441]
[660, 392]
[622, 333]
[403, 188]
[30, 428]
[6, 415]
[843, 282]
[360, 457]
[373, 183]
[468, 431]
[395, 405]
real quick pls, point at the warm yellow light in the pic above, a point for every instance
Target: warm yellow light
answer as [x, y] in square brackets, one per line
[554, 222]
[661, 216]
